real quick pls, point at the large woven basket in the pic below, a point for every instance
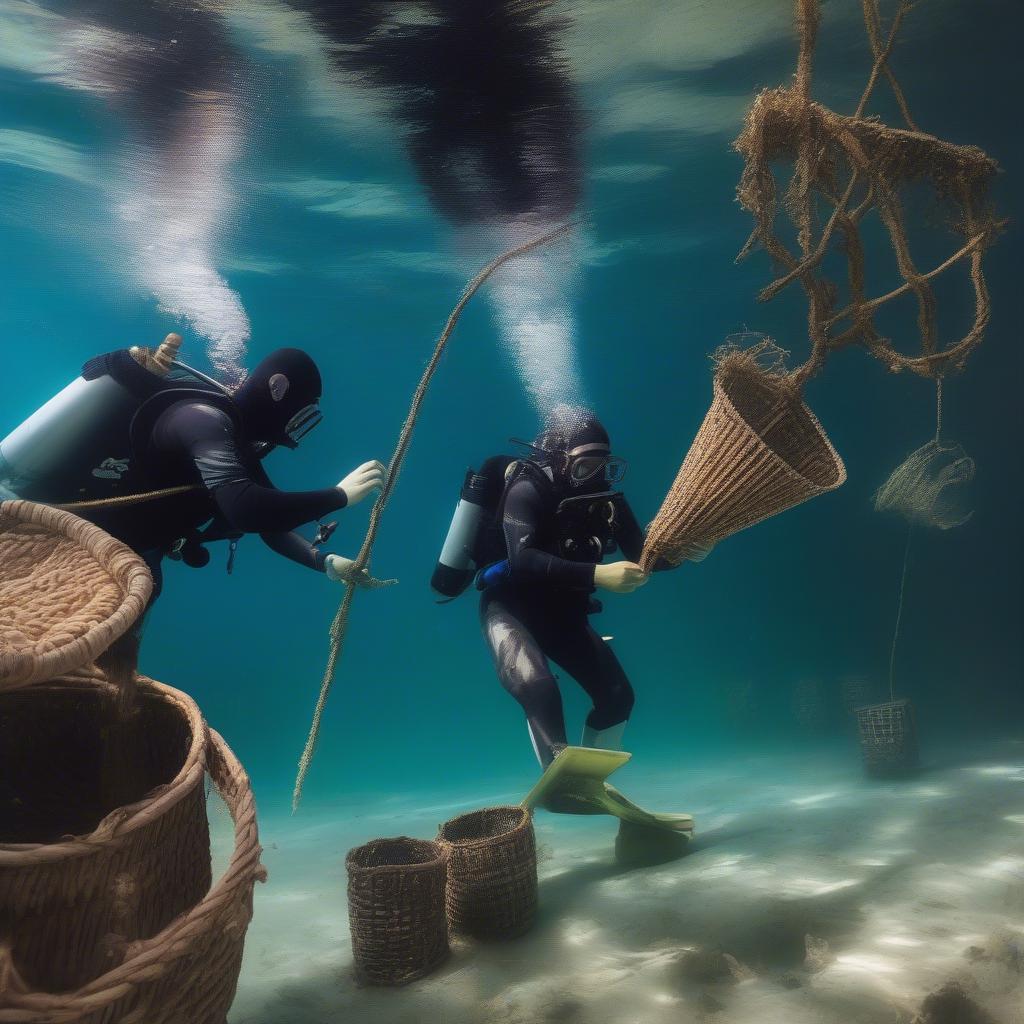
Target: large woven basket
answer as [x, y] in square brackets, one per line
[188, 972]
[103, 830]
[888, 737]
[67, 591]
[757, 453]
[492, 872]
[396, 909]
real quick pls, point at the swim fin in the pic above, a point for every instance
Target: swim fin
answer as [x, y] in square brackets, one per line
[574, 783]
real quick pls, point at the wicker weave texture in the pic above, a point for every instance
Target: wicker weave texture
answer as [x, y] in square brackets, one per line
[186, 974]
[396, 909]
[105, 837]
[888, 737]
[67, 591]
[757, 453]
[492, 872]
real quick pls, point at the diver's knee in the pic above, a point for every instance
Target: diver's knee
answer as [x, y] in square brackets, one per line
[623, 699]
[615, 706]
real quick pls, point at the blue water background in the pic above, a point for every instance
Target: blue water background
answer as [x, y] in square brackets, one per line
[716, 650]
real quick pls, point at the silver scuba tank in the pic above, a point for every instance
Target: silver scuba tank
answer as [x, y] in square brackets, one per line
[38, 446]
[456, 567]
[42, 456]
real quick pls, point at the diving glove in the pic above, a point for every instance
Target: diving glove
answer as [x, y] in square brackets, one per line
[619, 577]
[343, 570]
[368, 477]
[339, 569]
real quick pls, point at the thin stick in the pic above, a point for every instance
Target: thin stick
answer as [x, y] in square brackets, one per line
[340, 624]
[899, 616]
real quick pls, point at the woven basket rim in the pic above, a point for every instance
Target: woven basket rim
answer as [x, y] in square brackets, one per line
[519, 826]
[899, 703]
[134, 580]
[122, 821]
[148, 959]
[721, 393]
[353, 867]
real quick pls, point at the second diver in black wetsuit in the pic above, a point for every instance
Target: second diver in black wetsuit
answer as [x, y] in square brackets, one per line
[559, 519]
[216, 442]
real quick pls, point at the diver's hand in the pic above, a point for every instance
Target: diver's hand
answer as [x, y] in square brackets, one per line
[339, 568]
[342, 570]
[360, 482]
[620, 577]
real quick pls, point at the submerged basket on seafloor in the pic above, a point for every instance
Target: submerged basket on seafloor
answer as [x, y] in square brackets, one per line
[396, 909]
[759, 451]
[888, 737]
[67, 592]
[492, 872]
[186, 973]
[103, 830]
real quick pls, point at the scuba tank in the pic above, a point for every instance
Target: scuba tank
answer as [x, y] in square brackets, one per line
[470, 533]
[75, 446]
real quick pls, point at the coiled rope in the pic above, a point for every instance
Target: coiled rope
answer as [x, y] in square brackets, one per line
[340, 624]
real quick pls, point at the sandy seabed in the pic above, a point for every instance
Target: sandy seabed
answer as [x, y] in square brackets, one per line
[811, 896]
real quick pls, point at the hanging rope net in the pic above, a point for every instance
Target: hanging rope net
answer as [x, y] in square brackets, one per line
[928, 488]
[357, 577]
[847, 169]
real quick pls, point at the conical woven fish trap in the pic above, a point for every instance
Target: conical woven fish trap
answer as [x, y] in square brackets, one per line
[103, 830]
[396, 909]
[928, 487]
[67, 592]
[188, 972]
[492, 872]
[759, 451]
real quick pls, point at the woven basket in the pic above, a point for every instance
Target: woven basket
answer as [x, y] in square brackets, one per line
[492, 872]
[396, 909]
[67, 591]
[755, 455]
[187, 973]
[104, 833]
[888, 737]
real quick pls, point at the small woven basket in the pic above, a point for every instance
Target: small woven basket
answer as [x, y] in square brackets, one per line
[67, 592]
[185, 974]
[888, 737]
[396, 909]
[492, 872]
[103, 830]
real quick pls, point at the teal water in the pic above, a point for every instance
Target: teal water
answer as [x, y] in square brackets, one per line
[304, 210]
[330, 244]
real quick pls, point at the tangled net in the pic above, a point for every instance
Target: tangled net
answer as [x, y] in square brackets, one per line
[845, 168]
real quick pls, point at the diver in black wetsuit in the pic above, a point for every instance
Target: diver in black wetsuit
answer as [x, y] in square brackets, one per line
[216, 442]
[559, 519]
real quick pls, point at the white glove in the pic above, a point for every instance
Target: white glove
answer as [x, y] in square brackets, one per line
[620, 577]
[362, 481]
[339, 568]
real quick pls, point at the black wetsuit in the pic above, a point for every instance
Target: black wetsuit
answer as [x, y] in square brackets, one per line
[196, 442]
[540, 612]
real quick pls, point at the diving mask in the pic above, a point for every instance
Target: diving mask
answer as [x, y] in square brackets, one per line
[588, 460]
[303, 422]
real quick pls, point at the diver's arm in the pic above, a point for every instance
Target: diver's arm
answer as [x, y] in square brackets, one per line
[630, 536]
[297, 548]
[255, 508]
[524, 505]
[247, 501]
